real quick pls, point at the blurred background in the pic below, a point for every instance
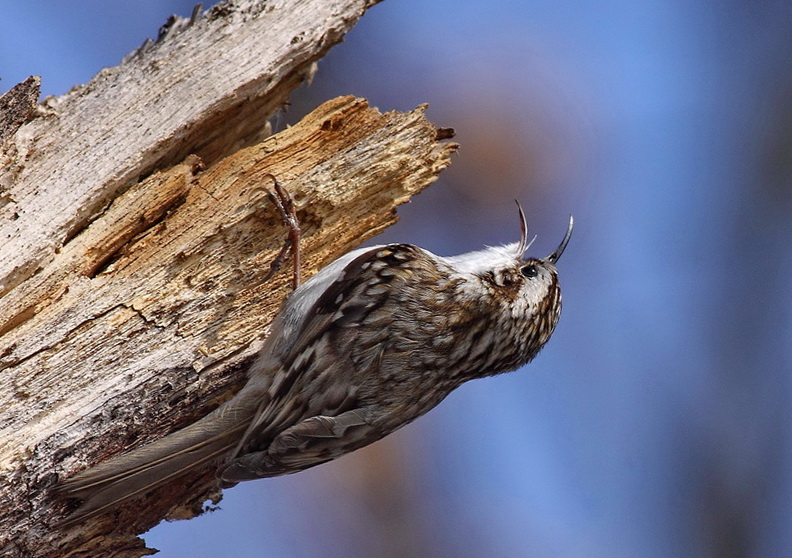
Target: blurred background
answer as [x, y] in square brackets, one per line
[657, 421]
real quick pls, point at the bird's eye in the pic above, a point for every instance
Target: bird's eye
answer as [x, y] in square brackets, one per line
[529, 271]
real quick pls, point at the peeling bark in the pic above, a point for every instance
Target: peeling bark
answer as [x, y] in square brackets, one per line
[132, 298]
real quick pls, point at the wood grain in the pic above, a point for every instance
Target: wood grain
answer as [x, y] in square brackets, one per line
[136, 237]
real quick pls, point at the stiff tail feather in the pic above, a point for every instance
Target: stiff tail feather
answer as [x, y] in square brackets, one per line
[139, 471]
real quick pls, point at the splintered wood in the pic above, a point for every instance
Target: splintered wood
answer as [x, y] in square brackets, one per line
[150, 313]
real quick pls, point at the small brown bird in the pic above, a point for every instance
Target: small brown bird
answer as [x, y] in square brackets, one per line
[370, 343]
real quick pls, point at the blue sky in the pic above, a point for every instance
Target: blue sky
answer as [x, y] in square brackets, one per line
[656, 422]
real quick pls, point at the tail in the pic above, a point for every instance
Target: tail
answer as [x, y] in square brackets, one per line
[139, 471]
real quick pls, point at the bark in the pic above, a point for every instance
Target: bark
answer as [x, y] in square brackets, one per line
[136, 237]
[17, 105]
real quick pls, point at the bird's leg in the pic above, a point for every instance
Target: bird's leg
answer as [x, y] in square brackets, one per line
[283, 202]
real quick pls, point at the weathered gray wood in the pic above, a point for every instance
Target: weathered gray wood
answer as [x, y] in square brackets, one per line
[17, 106]
[207, 87]
[133, 300]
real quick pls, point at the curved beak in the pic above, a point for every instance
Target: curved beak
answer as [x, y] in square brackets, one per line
[553, 258]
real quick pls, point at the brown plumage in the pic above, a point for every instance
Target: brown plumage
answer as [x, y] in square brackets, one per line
[370, 343]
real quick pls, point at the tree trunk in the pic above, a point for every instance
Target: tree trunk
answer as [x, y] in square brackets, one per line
[136, 236]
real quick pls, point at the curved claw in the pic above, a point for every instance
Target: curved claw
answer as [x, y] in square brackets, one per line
[524, 243]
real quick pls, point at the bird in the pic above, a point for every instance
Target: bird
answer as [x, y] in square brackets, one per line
[371, 342]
